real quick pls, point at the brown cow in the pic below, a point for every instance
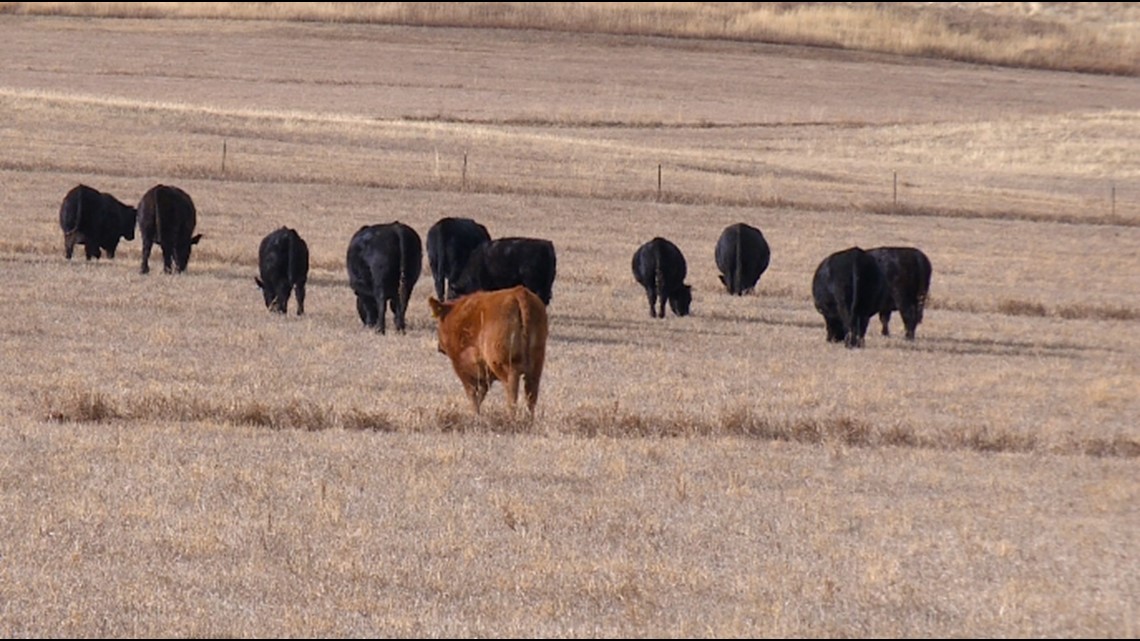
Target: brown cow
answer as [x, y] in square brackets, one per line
[497, 335]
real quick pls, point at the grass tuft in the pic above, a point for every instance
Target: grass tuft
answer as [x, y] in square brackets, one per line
[1120, 447]
[81, 407]
[1022, 308]
[359, 420]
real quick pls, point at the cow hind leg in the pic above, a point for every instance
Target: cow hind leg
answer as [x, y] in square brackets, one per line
[910, 320]
[69, 241]
[530, 382]
[885, 320]
[300, 289]
[398, 315]
[857, 331]
[381, 318]
[652, 296]
[835, 331]
[476, 392]
[366, 308]
[147, 245]
[511, 384]
[442, 290]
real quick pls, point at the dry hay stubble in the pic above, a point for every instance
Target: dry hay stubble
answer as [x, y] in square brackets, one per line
[671, 486]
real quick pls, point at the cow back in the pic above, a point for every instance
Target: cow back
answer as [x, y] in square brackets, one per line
[507, 262]
[742, 256]
[283, 256]
[97, 215]
[495, 335]
[450, 242]
[660, 255]
[169, 214]
[848, 289]
[907, 272]
[384, 255]
[71, 208]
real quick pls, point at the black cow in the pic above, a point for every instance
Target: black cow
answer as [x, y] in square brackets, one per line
[659, 267]
[95, 220]
[384, 263]
[450, 242]
[848, 289]
[506, 262]
[283, 261]
[907, 271]
[167, 216]
[742, 255]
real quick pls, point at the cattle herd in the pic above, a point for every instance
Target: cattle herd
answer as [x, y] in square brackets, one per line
[491, 294]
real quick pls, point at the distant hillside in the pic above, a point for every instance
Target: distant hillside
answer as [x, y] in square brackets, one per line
[1093, 37]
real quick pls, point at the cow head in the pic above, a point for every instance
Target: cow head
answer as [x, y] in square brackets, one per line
[182, 259]
[272, 300]
[128, 217]
[681, 300]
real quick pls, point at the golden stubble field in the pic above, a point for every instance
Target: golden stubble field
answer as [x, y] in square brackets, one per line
[176, 461]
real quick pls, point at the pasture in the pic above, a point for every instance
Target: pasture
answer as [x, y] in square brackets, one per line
[177, 461]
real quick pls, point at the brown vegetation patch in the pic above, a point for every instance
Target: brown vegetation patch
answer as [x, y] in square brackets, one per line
[1098, 312]
[1084, 218]
[1119, 446]
[986, 439]
[1022, 308]
[96, 407]
[80, 407]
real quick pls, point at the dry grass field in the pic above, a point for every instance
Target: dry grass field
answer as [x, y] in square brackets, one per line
[177, 461]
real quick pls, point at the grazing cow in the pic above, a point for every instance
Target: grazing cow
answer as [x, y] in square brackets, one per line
[848, 289]
[495, 336]
[742, 255]
[506, 262]
[283, 261]
[384, 263]
[95, 220]
[907, 272]
[167, 216]
[659, 267]
[450, 242]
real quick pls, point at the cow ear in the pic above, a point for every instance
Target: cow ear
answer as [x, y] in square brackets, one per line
[194, 240]
[259, 283]
[438, 309]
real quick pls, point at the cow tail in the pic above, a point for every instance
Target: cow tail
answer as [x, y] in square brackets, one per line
[157, 218]
[737, 267]
[402, 292]
[524, 317]
[78, 215]
[292, 259]
[70, 236]
[852, 321]
[441, 265]
[658, 276]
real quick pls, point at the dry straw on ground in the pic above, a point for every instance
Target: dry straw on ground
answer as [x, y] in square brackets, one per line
[175, 460]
